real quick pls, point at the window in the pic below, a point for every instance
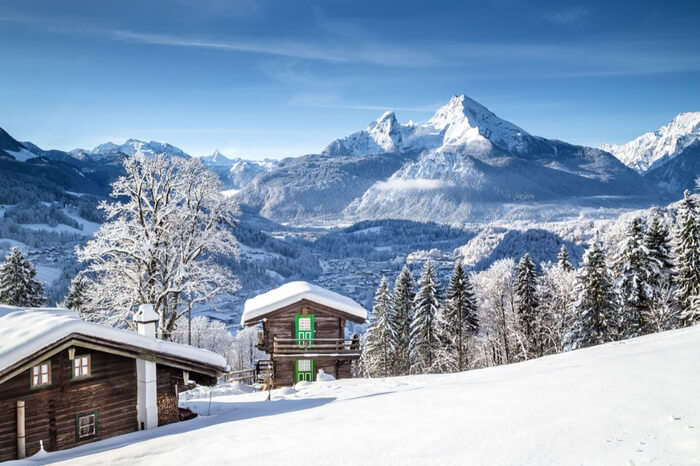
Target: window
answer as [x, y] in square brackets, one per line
[41, 375]
[304, 323]
[86, 426]
[81, 366]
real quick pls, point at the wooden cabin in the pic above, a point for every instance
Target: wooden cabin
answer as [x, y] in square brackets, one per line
[66, 382]
[303, 331]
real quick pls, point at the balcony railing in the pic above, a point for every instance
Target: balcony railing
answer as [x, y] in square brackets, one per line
[319, 347]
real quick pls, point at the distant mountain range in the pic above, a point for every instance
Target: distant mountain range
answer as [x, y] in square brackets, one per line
[464, 164]
[655, 148]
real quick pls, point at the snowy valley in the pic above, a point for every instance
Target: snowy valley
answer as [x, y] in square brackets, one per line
[495, 191]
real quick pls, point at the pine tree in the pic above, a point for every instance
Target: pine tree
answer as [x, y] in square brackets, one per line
[595, 309]
[17, 284]
[380, 337]
[563, 259]
[459, 320]
[664, 306]
[77, 295]
[527, 302]
[688, 259]
[401, 318]
[633, 271]
[425, 341]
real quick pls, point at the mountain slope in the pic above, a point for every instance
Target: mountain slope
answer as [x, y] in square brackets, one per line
[655, 148]
[677, 174]
[314, 186]
[460, 165]
[629, 402]
[10, 148]
[236, 173]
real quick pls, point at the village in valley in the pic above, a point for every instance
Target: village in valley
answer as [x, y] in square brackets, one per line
[448, 289]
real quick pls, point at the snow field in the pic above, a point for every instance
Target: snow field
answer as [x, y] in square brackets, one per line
[631, 402]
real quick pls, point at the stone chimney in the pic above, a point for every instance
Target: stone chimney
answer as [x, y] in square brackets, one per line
[146, 319]
[146, 396]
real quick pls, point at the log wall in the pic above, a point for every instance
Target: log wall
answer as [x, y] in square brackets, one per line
[51, 412]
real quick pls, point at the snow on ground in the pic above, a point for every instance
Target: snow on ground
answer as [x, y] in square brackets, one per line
[632, 402]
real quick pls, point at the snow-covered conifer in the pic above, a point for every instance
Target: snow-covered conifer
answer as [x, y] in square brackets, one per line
[633, 271]
[527, 302]
[660, 251]
[76, 298]
[18, 286]
[564, 260]
[424, 341]
[401, 318]
[595, 315]
[688, 259]
[378, 348]
[459, 321]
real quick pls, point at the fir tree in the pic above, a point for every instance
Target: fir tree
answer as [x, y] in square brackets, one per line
[688, 259]
[425, 341]
[633, 270]
[76, 298]
[563, 259]
[459, 320]
[595, 309]
[17, 284]
[527, 302]
[664, 305]
[401, 318]
[380, 337]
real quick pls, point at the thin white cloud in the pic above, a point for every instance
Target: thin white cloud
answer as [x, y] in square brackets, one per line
[481, 59]
[331, 101]
[568, 16]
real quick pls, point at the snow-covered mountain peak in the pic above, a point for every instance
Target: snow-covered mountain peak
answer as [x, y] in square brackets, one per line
[462, 125]
[136, 147]
[218, 158]
[385, 134]
[465, 122]
[655, 148]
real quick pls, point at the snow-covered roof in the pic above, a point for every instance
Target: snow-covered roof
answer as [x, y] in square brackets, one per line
[293, 292]
[24, 332]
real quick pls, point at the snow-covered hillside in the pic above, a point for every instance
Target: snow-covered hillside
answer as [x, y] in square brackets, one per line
[631, 402]
[653, 149]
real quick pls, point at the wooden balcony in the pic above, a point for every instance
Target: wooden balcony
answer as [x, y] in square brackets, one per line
[334, 348]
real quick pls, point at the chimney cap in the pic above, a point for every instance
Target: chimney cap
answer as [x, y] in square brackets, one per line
[145, 314]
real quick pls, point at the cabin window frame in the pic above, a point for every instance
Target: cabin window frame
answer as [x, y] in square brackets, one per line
[80, 438]
[89, 366]
[40, 385]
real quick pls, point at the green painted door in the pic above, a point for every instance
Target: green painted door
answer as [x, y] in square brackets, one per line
[303, 370]
[304, 329]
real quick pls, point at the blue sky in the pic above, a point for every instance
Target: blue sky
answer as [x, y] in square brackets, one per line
[259, 78]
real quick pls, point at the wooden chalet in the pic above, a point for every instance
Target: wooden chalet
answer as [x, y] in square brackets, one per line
[303, 331]
[66, 382]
